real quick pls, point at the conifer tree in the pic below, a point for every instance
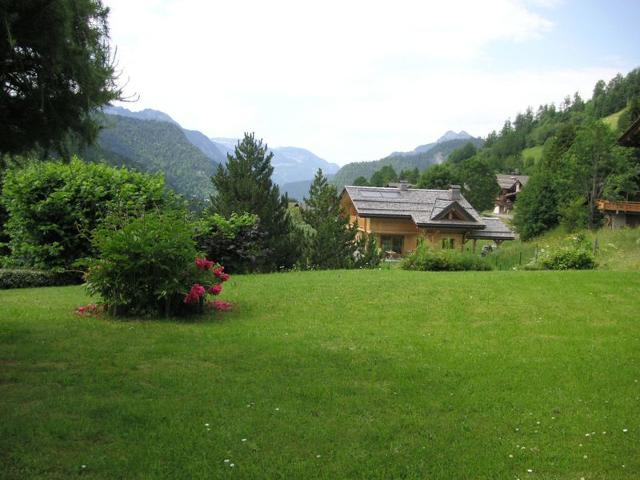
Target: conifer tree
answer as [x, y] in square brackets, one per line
[56, 69]
[333, 243]
[244, 186]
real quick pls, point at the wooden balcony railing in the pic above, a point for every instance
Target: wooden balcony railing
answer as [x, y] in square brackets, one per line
[606, 205]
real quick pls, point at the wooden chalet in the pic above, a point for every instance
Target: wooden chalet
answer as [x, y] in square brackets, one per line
[398, 217]
[510, 187]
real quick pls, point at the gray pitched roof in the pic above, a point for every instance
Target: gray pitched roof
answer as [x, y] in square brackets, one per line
[508, 181]
[420, 205]
[495, 230]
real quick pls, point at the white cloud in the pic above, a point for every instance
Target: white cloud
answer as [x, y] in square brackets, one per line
[350, 80]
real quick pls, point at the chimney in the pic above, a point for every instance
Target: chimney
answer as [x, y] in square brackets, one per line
[404, 185]
[454, 192]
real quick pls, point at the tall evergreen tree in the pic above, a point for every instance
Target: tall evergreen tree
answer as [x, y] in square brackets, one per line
[56, 68]
[333, 243]
[244, 185]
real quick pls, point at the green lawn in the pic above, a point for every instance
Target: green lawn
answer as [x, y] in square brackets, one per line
[360, 374]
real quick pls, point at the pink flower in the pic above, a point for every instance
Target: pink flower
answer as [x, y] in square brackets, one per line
[220, 305]
[224, 277]
[215, 289]
[195, 293]
[87, 309]
[204, 264]
[218, 272]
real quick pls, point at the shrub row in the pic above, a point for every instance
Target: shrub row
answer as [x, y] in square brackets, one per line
[37, 278]
[425, 258]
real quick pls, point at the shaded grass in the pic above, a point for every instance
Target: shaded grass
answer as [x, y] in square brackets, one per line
[359, 374]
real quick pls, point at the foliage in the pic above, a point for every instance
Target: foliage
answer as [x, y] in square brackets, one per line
[56, 69]
[244, 185]
[236, 242]
[480, 184]
[153, 147]
[537, 207]
[573, 254]
[367, 254]
[461, 154]
[440, 177]
[411, 175]
[591, 160]
[23, 278]
[425, 258]
[333, 242]
[53, 206]
[382, 177]
[361, 182]
[630, 114]
[145, 265]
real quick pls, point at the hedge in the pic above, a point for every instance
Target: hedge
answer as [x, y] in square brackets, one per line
[20, 278]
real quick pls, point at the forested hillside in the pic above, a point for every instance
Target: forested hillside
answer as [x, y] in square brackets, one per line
[569, 150]
[436, 153]
[154, 146]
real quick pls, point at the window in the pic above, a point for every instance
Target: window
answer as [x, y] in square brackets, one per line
[392, 243]
[448, 243]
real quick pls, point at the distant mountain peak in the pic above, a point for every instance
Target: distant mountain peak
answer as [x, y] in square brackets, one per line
[451, 135]
[146, 114]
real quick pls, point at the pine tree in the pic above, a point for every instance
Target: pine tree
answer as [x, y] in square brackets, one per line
[333, 243]
[244, 186]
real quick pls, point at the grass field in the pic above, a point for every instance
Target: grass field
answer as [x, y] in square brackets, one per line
[359, 374]
[612, 120]
[533, 152]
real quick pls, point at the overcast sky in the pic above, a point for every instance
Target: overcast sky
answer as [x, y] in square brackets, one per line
[356, 80]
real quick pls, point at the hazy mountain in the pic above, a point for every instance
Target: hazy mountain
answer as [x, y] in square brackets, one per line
[447, 137]
[290, 164]
[300, 189]
[154, 146]
[198, 139]
[146, 114]
[436, 152]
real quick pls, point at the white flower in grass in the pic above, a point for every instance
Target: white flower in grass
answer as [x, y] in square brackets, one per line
[226, 460]
[83, 466]
[529, 470]
[510, 456]
[625, 430]
[206, 424]
[244, 439]
[584, 456]
[318, 456]
[232, 465]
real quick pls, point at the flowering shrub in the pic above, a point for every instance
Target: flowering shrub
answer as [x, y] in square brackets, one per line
[209, 273]
[91, 309]
[146, 266]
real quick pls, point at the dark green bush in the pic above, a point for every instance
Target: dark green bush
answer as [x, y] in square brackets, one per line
[52, 208]
[236, 242]
[144, 265]
[425, 258]
[21, 278]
